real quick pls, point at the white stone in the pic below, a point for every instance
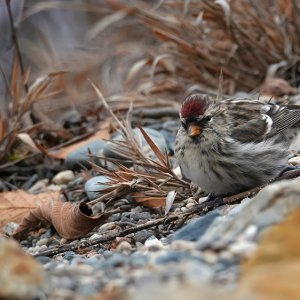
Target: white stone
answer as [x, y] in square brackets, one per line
[153, 242]
[124, 246]
[63, 177]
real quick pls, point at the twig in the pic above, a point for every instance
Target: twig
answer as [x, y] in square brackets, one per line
[251, 192]
[200, 209]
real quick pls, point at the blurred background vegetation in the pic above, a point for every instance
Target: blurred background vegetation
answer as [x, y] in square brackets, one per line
[149, 53]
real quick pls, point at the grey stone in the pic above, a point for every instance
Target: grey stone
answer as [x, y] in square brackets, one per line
[176, 257]
[142, 236]
[87, 289]
[69, 255]
[141, 216]
[43, 259]
[116, 260]
[95, 185]
[114, 217]
[93, 261]
[155, 135]
[138, 259]
[47, 234]
[81, 155]
[196, 228]
[10, 228]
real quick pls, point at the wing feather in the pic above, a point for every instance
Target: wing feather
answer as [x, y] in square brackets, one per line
[270, 120]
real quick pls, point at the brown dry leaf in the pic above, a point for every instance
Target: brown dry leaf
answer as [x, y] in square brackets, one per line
[277, 87]
[154, 147]
[103, 133]
[15, 205]
[149, 201]
[71, 220]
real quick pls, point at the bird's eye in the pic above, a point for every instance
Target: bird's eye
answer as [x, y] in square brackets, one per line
[208, 118]
[183, 122]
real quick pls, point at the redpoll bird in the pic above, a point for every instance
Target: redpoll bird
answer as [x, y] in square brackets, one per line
[232, 145]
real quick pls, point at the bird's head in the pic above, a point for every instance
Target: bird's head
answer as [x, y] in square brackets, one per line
[192, 114]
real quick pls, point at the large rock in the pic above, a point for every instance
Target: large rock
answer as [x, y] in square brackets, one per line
[270, 206]
[21, 276]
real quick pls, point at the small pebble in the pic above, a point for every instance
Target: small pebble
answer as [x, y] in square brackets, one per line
[141, 216]
[39, 186]
[124, 246]
[295, 161]
[107, 227]
[190, 205]
[43, 259]
[153, 244]
[94, 236]
[69, 255]
[95, 185]
[10, 228]
[210, 257]
[63, 177]
[182, 245]
[81, 269]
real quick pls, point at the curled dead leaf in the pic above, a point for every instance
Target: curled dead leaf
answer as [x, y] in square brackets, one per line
[71, 220]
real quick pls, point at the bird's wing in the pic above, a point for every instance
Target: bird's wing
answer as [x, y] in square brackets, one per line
[257, 121]
[283, 117]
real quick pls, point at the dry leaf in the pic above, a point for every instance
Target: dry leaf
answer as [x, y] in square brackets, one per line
[26, 139]
[149, 201]
[135, 69]
[154, 147]
[169, 201]
[104, 133]
[15, 205]
[277, 87]
[71, 220]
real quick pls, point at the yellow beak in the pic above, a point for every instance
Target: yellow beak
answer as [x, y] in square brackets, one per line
[194, 130]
